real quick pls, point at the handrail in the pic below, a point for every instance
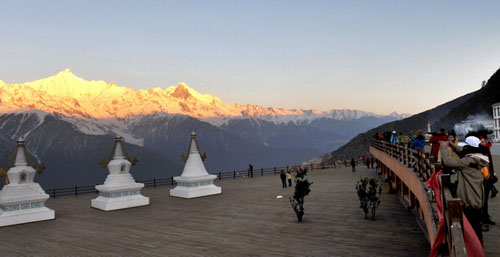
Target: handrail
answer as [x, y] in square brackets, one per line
[169, 181]
[424, 165]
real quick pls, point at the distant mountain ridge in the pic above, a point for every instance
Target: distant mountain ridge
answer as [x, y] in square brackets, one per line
[69, 124]
[67, 94]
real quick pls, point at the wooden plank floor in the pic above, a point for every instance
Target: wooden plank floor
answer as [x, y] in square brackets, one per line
[492, 237]
[246, 220]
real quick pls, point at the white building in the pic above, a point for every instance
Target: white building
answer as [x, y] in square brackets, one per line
[195, 180]
[119, 190]
[22, 200]
[496, 121]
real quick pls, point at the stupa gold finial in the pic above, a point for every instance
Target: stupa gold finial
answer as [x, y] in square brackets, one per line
[193, 146]
[117, 153]
[18, 158]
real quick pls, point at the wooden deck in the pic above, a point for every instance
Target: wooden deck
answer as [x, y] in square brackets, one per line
[246, 220]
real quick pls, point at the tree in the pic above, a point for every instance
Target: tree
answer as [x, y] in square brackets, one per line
[302, 189]
[369, 192]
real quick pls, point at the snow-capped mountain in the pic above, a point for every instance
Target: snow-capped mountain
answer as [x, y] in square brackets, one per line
[69, 123]
[72, 96]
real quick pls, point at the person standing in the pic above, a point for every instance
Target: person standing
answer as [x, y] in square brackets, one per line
[394, 138]
[353, 165]
[372, 161]
[434, 140]
[368, 162]
[452, 140]
[488, 182]
[470, 180]
[283, 178]
[250, 170]
[289, 177]
[419, 142]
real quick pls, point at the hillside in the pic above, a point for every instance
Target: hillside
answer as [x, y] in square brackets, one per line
[442, 116]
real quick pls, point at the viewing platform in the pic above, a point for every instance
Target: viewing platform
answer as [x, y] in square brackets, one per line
[406, 172]
[247, 219]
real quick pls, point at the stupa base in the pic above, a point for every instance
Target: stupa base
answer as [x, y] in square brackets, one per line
[8, 218]
[193, 192]
[124, 202]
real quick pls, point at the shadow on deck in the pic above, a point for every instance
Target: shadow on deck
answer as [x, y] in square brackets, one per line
[246, 220]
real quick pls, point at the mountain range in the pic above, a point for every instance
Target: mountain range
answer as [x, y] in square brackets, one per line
[69, 124]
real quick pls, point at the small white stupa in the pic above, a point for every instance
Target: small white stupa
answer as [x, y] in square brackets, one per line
[21, 199]
[195, 180]
[120, 190]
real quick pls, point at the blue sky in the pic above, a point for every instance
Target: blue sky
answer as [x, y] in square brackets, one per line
[376, 56]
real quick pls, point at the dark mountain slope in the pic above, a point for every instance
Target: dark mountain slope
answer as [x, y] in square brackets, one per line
[72, 158]
[445, 116]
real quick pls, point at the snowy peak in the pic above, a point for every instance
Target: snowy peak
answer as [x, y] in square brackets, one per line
[69, 95]
[399, 115]
[183, 92]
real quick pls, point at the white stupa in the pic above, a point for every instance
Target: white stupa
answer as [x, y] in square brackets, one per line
[195, 180]
[22, 200]
[120, 190]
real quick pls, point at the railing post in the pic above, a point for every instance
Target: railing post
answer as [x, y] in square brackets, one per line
[76, 189]
[220, 177]
[312, 166]
[262, 171]
[154, 182]
[96, 191]
[54, 192]
[274, 170]
[234, 174]
[172, 181]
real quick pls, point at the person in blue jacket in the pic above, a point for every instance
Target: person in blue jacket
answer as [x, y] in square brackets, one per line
[419, 141]
[394, 138]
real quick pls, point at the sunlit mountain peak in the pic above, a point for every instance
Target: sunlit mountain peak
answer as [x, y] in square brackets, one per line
[68, 94]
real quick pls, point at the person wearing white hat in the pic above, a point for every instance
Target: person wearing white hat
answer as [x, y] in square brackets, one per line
[394, 138]
[470, 180]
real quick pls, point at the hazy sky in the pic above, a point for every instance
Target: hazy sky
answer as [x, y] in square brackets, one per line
[376, 56]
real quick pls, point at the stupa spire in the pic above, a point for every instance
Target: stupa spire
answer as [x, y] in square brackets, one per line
[193, 146]
[118, 154]
[20, 155]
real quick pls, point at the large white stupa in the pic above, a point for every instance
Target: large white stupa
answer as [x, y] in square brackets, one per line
[195, 180]
[120, 190]
[21, 199]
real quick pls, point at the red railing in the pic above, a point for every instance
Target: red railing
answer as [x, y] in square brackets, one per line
[406, 171]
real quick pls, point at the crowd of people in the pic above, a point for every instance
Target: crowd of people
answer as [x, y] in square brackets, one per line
[414, 141]
[469, 163]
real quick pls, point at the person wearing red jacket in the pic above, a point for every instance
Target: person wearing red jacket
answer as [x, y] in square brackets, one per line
[434, 140]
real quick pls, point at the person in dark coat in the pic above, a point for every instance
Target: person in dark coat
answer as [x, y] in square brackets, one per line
[368, 162]
[372, 161]
[353, 165]
[250, 170]
[488, 183]
[283, 178]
